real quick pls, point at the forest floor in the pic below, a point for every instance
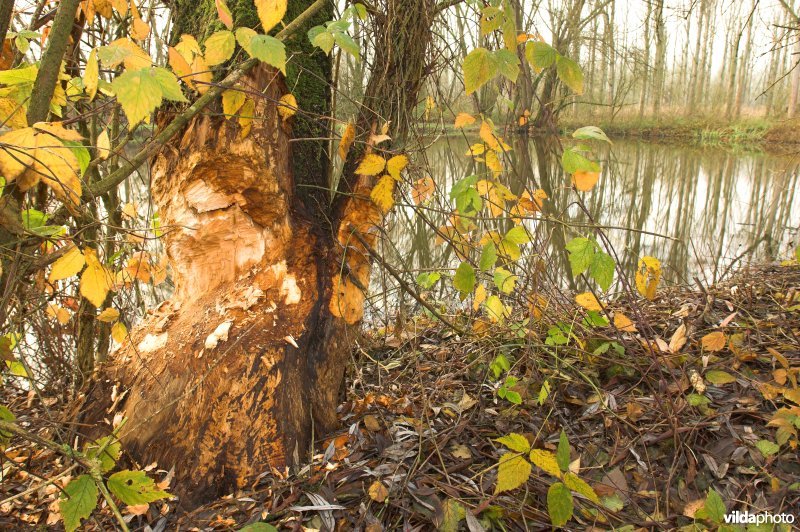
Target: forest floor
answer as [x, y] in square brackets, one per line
[694, 399]
[767, 134]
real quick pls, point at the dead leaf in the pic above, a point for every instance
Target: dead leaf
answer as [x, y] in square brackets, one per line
[378, 491]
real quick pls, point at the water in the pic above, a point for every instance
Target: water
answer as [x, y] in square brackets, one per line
[702, 211]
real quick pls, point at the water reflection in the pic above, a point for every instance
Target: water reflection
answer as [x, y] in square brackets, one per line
[702, 211]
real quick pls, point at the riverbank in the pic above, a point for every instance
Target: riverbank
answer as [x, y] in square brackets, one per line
[778, 135]
[697, 393]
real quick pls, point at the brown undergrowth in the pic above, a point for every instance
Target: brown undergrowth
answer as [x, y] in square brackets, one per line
[653, 424]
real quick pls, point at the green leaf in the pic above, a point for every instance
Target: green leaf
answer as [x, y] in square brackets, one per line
[453, 513]
[714, 506]
[512, 472]
[170, 88]
[491, 19]
[321, 38]
[19, 76]
[590, 133]
[139, 93]
[570, 73]
[80, 152]
[427, 279]
[595, 319]
[719, 378]
[504, 280]
[507, 64]
[488, 256]
[562, 453]
[517, 235]
[767, 448]
[512, 397]
[269, 50]
[540, 55]
[559, 504]
[573, 161]
[480, 66]
[78, 501]
[110, 454]
[258, 527]
[697, 400]
[33, 219]
[6, 415]
[464, 279]
[244, 36]
[135, 487]
[602, 269]
[515, 442]
[578, 485]
[346, 43]
[581, 254]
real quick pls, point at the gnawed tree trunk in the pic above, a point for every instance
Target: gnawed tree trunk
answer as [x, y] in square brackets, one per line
[243, 367]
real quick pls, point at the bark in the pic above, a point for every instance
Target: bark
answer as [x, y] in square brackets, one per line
[241, 370]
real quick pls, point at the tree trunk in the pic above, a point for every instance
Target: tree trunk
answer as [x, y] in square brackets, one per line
[241, 370]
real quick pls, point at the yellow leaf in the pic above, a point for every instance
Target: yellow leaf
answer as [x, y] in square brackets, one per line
[16, 155]
[371, 164]
[232, 101]
[678, 339]
[395, 165]
[423, 189]
[493, 163]
[132, 56]
[623, 323]
[463, 120]
[140, 30]
[648, 274]
[91, 76]
[383, 193]
[512, 472]
[12, 114]
[219, 47]
[348, 136]
[495, 309]
[108, 315]
[585, 181]
[201, 75]
[488, 137]
[480, 297]
[270, 12]
[246, 116]
[69, 264]
[179, 64]
[476, 149]
[578, 485]
[96, 280]
[58, 130]
[714, 341]
[119, 332]
[287, 106]
[103, 145]
[188, 47]
[378, 491]
[58, 313]
[224, 13]
[546, 461]
[129, 211]
[588, 301]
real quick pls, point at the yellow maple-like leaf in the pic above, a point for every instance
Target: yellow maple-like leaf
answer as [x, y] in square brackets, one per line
[648, 275]
[179, 64]
[488, 137]
[371, 164]
[131, 55]
[58, 130]
[270, 12]
[383, 193]
[108, 315]
[348, 136]
[12, 113]
[201, 75]
[232, 101]
[493, 163]
[623, 323]
[69, 264]
[512, 472]
[546, 461]
[463, 120]
[119, 332]
[246, 114]
[287, 106]
[585, 181]
[139, 30]
[58, 313]
[588, 301]
[714, 341]
[476, 150]
[96, 280]
[395, 165]
[423, 189]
